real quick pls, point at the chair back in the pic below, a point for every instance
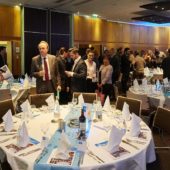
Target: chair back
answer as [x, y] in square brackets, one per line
[167, 103]
[5, 94]
[88, 97]
[134, 104]
[6, 105]
[39, 99]
[162, 119]
[142, 97]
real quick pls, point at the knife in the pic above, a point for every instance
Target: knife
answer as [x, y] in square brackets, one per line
[30, 152]
[126, 142]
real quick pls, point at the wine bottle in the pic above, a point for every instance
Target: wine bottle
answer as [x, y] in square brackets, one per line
[82, 122]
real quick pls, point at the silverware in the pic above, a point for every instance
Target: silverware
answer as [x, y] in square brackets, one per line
[136, 141]
[30, 152]
[5, 140]
[128, 143]
[81, 158]
[8, 134]
[95, 157]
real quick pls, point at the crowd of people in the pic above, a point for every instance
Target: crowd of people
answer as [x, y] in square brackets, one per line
[68, 72]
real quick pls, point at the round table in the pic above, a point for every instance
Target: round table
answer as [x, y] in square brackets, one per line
[137, 157]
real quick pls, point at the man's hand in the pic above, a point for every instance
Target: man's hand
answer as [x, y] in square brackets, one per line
[1, 77]
[67, 89]
[69, 73]
[41, 73]
[58, 88]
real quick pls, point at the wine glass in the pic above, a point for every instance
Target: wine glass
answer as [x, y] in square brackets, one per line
[74, 101]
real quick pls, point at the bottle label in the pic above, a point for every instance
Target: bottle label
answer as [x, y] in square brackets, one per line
[83, 126]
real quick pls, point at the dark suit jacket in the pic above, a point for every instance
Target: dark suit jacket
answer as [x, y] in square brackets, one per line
[2, 61]
[36, 66]
[78, 81]
[165, 67]
[61, 62]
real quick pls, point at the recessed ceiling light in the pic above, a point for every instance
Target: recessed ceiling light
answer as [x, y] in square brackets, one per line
[95, 15]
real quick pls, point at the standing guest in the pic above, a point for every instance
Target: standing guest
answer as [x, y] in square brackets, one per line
[78, 73]
[3, 56]
[125, 69]
[85, 56]
[91, 73]
[166, 65]
[105, 80]
[44, 69]
[61, 63]
[139, 64]
[115, 62]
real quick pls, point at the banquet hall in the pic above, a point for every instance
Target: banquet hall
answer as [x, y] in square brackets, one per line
[84, 84]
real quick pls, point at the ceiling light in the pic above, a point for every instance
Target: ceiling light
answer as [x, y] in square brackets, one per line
[95, 15]
[163, 8]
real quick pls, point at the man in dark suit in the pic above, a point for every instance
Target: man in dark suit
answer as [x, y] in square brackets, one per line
[61, 62]
[45, 70]
[165, 65]
[78, 73]
[3, 58]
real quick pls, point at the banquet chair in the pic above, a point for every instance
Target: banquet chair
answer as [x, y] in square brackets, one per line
[88, 97]
[161, 128]
[5, 94]
[134, 104]
[161, 136]
[39, 99]
[167, 103]
[5, 106]
[21, 97]
[32, 90]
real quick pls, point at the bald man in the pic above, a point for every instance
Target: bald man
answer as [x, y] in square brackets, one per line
[44, 69]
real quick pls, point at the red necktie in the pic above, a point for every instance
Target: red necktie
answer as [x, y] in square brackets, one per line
[46, 70]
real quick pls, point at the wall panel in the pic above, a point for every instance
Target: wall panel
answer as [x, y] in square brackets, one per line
[88, 30]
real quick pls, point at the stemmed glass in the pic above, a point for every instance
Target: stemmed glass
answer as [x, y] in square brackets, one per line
[44, 130]
[74, 102]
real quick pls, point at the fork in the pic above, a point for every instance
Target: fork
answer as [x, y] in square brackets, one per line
[30, 152]
[5, 140]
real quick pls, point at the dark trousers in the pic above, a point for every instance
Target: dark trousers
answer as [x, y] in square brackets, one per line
[90, 86]
[46, 87]
[107, 90]
[125, 78]
[64, 97]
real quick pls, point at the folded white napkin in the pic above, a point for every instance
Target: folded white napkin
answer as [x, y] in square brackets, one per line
[7, 73]
[165, 81]
[107, 106]
[146, 71]
[23, 137]
[33, 80]
[135, 126]
[8, 122]
[114, 139]
[26, 108]
[64, 146]
[4, 84]
[26, 83]
[125, 111]
[80, 100]
[136, 85]
[50, 101]
[144, 82]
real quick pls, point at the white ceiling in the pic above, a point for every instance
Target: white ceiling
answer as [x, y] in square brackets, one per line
[116, 10]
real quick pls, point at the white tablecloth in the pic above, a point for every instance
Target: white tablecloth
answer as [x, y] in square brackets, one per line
[135, 160]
